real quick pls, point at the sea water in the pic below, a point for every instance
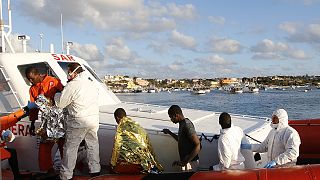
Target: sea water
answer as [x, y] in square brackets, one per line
[298, 103]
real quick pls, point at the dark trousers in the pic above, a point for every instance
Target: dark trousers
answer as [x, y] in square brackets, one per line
[13, 162]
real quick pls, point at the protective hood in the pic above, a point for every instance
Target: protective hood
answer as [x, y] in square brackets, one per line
[283, 118]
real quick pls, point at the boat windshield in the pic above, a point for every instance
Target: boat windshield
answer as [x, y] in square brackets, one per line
[64, 66]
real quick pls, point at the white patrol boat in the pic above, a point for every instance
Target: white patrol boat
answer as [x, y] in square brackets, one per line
[14, 94]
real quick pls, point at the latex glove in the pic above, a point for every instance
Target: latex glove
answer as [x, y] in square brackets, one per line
[32, 105]
[7, 136]
[270, 164]
[245, 146]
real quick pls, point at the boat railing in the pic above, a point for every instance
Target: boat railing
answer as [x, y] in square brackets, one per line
[250, 116]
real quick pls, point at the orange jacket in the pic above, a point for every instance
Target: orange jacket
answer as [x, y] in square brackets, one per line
[5, 123]
[48, 87]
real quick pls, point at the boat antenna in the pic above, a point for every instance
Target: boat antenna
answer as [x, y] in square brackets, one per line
[41, 38]
[4, 35]
[61, 34]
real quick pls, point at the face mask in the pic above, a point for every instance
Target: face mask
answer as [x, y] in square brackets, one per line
[69, 75]
[274, 126]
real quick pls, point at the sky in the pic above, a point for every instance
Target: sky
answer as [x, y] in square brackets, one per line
[178, 38]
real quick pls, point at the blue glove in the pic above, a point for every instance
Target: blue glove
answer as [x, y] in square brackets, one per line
[270, 164]
[32, 105]
[245, 146]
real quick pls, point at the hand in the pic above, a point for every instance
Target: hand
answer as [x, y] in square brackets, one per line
[166, 131]
[270, 164]
[7, 136]
[246, 146]
[32, 105]
[179, 163]
[32, 129]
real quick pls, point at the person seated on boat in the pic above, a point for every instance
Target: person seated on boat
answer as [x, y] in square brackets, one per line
[229, 142]
[188, 141]
[48, 86]
[7, 136]
[132, 151]
[282, 143]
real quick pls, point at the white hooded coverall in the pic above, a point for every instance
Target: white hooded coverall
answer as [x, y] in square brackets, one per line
[282, 144]
[80, 97]
[229, 153]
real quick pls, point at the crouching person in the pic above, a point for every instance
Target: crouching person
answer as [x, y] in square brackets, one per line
[282, 143]
[229, 143]
[132, 151]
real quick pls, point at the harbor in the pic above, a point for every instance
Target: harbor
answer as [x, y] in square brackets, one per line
[298, 103]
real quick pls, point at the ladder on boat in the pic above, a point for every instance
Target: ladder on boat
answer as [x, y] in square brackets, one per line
[6, 81]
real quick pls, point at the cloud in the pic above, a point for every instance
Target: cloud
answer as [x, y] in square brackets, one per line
[268, 46]
[89, 52]
[182, 11]
[289, 27]
[224, 45]
[176, 66]
[183, 41]
[310, 2]
[309, 34]
[216, 65]
[159, 47]
[119, 51]
[267, 49]
[268, 55]
[121, 15]
[217, 20]
[297, 54]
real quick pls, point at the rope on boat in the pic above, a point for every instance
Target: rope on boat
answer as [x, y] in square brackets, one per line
[253, 138]
[216, 136]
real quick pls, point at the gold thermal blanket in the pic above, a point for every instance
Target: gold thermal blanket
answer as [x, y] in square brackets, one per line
[132, 146]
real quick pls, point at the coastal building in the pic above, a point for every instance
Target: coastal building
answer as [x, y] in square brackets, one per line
[141, 82]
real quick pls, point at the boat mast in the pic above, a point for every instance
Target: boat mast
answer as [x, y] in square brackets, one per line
[4, 35]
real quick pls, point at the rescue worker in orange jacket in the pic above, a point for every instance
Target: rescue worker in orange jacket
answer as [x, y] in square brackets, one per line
[5, 123]
[48, 86]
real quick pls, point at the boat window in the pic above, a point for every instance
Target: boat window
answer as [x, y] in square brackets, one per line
[8, 100]
[93, 73]
[64, 66]
[43, 68]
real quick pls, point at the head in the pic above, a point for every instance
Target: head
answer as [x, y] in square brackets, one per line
[33, 75]
[175, 114]
[73, 70]
[279, 119]
[119, 114]
[225, 120]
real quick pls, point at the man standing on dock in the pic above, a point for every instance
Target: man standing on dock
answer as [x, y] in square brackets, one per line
[188, 141]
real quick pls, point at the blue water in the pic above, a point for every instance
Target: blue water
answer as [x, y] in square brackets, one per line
[299, 104]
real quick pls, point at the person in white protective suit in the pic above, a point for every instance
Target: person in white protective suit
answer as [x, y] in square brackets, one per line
[229, 143]
[282, 143]
[80, 97]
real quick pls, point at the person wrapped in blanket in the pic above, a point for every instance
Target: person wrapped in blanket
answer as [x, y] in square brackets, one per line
[52, 127]
[132, 151]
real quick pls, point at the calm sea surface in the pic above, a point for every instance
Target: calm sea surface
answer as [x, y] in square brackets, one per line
[299, 104]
